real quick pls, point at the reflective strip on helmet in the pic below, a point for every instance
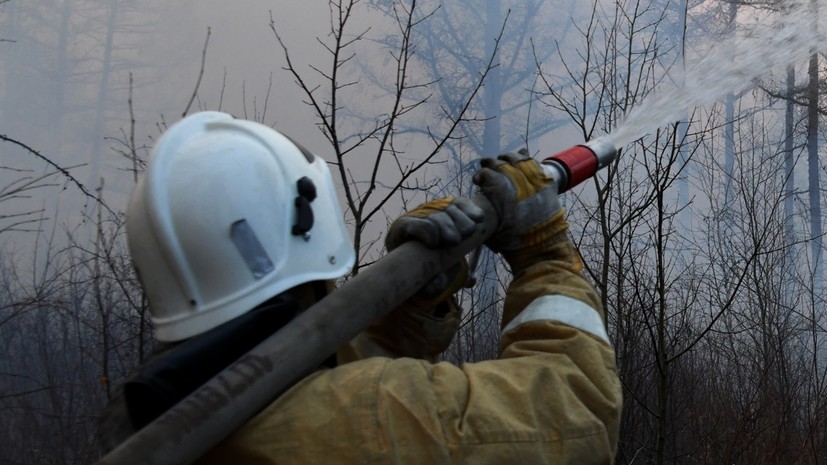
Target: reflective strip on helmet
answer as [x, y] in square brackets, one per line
[250, 248]
[565, 310]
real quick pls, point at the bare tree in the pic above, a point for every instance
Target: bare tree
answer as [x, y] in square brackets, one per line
[670, 288]
[67, 70]
[361, 151]
[450, 47]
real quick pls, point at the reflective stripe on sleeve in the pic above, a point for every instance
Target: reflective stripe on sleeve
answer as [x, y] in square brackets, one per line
[565, 310]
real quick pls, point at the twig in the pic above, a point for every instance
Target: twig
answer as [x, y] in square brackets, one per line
[223, 86]
[200, 74]
[132, 152]
[62, 170]
[266, 99]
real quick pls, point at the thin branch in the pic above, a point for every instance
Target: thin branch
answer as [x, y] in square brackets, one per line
[787, 97]
[455, 122]
[200, 74]
[62, 171]
[132, 152]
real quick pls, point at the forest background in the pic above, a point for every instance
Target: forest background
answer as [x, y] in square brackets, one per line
[704, 237]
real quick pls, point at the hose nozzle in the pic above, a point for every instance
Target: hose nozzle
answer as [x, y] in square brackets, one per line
[577, 164]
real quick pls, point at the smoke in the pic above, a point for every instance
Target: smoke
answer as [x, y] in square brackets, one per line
[91, 84]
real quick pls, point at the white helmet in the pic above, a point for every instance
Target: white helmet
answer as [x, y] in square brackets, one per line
[230, 213]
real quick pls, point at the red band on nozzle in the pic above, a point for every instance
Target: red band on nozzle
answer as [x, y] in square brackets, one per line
[580, 163]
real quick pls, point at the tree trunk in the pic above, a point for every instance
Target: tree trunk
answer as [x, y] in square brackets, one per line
[816, 231]
[486, 326]
[492, 92]
[729, 145]
[12, 53]
[813, 168]
[56, 115]
[729, 117]
[685, 216]
[103, 94]
[789, 166]
[661, 345]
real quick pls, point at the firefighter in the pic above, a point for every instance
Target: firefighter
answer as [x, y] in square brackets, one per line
[235, 229]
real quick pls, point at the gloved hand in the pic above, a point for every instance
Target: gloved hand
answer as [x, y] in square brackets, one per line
[532, 226]
[424, 325]
[438, 223]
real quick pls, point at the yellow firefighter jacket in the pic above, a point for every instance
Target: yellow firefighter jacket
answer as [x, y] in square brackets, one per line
[552, 397]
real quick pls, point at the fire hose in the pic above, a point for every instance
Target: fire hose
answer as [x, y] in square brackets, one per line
[227, 401]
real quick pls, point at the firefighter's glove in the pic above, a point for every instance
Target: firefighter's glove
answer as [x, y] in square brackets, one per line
[438, 223]
[532, 226]
[424, 325]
